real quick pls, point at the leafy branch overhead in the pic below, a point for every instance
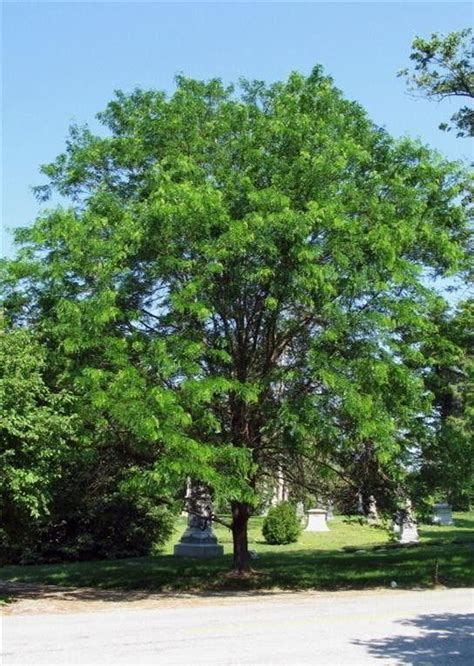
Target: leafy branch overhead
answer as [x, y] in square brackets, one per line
[443, 67]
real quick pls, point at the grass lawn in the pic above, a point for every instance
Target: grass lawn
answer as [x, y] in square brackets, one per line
[349, 556]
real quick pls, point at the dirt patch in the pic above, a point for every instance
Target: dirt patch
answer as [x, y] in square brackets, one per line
[35, 599]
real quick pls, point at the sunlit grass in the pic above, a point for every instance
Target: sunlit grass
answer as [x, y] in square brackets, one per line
[317, 561]
[342, 533]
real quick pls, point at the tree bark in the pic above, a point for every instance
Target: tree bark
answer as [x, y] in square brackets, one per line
[240, 518]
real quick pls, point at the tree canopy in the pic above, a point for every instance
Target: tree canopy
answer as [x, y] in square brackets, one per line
[239, 281]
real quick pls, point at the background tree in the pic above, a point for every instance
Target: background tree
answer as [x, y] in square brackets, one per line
[443, 68]
[65, 468]
[238, 279]
[446, 467]
[35, 428]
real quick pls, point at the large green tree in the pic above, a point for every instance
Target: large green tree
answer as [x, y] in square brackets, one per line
[237, 280]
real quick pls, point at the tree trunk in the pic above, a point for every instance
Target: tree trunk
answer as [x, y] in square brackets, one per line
[240, 518]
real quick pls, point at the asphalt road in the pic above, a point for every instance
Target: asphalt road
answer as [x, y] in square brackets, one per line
[384, 627]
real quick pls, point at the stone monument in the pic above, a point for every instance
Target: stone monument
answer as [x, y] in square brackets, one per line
[198, 539]
[372, 515]
[316, 521]
[442, 514]
[330, 510]
[281, 491]
[188, 494]
[408, 529]
[396, 525]
[300, 510]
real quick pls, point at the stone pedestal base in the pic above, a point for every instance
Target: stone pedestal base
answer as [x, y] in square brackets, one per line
[198, 543]
[316, 521]
[198, 550]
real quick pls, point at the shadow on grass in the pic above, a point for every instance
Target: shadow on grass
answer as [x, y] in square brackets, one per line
[444, 639]
[414, 566]
[459, 536]
[464, 523]
[462, 530]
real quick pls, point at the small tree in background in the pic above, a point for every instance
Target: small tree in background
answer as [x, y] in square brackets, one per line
[446, 464]
[281, 525]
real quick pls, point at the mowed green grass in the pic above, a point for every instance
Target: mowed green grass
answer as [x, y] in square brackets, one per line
[343, 532]
[349, 556]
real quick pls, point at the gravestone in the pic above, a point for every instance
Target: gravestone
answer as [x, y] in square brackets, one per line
[187, 496]
[281, 491]
[316, 521]
[360, 503]
[408, 529]
[330, 511]
[397, 520]
[442, 514]
[372, 515]
[198, 539]
[300, 510]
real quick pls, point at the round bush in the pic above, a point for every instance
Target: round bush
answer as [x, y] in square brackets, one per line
[281, 525]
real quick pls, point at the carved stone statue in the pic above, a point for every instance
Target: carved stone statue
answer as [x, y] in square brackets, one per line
[408, 529]
[198, 539]
[329, 510]
[199, 507]
[372, 515]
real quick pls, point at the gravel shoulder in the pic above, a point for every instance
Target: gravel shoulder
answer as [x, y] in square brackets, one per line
[34, 599]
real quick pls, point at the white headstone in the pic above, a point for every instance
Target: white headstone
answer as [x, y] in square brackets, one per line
[442, 514]
[316, 521]
[408, 533]
[330, 510]
[408, 529]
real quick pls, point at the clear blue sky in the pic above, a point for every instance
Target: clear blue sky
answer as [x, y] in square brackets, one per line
[62, 61]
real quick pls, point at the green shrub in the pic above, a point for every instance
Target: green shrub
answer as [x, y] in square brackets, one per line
[281, 525]
[90, 517]
[110, 526]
